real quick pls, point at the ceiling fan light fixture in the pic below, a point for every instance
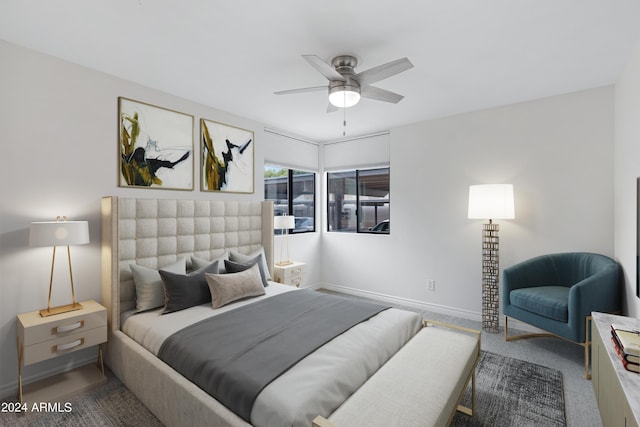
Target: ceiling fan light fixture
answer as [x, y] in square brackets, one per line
[344, 95]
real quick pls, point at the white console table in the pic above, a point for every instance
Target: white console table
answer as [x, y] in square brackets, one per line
[617, 390]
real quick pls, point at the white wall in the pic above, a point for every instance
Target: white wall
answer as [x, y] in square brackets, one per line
[627, 171]
[58, 133]
[557, 152]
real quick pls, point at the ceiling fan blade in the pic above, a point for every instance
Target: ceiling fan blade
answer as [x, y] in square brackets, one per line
[302, 90]
[383, 71]
[323, 68]
[378, 94]
[331, 108]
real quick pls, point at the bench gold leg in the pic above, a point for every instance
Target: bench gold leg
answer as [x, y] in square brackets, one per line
[467, 410]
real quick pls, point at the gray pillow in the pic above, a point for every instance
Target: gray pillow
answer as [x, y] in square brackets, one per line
[236, 267]
[198, 263]
[149, 287]
[238, 257]
[230, 287]
[186, 290]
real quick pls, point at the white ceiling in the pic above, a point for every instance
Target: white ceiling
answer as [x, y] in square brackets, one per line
[233, 54]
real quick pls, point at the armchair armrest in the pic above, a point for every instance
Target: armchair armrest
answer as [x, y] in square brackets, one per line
[599, 292]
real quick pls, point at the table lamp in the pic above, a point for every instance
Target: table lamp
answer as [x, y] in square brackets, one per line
[59, 233]
[284, 222]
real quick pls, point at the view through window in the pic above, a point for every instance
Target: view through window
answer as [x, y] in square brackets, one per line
[358, 201]
[293, 193]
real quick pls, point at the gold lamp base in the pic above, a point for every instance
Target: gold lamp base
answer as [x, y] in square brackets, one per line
[45, 312]
[281, 263]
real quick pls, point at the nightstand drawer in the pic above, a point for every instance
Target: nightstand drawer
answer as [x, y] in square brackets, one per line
[60, 328]
[292, 281]
[63, 345]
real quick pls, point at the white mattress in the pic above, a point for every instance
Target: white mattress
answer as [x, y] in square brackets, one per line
[319, 383]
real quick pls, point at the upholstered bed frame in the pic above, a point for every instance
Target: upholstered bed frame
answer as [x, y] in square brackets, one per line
[154, 233]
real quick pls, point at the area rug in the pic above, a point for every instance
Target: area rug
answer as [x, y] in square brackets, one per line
[512, 392]
[509, 392]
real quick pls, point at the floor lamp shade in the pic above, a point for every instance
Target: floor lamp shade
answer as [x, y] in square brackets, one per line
[491, 201]
[59, 233]
[284, 222]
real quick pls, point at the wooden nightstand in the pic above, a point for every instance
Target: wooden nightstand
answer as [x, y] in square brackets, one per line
[290, 274]
[42, 338]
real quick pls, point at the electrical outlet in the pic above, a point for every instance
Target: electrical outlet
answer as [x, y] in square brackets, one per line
[431, 285]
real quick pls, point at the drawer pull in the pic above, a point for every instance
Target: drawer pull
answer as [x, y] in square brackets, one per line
[68, 328]
[297, 270]
[72, 344]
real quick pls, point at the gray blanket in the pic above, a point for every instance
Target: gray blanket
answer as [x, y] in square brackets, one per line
[234, 355]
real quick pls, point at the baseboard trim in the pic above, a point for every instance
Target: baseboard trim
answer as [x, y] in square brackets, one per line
[440, 309]
[436, 308]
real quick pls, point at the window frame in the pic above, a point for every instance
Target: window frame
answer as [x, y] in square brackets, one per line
[358, 214]
[290, 202]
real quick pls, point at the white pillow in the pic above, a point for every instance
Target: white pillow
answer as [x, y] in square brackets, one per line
[241, 258]
[149, 286]
[198, 263]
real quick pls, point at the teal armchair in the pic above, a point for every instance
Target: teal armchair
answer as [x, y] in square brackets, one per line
[558, 292]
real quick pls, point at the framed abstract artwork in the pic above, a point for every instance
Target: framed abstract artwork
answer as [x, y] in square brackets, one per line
[155, 147]
[227, 158]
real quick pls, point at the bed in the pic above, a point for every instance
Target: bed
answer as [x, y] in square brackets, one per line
[158, 232]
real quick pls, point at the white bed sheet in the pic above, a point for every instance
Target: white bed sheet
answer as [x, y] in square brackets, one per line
[316, 385]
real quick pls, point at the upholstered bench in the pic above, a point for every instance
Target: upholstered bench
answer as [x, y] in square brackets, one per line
[421, 385]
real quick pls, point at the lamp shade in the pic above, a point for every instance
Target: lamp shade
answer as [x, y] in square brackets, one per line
[284, 222]
[62, 233]
[344, 95]
[491, 201]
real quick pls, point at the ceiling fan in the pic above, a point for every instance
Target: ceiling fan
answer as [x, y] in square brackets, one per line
[346, 86]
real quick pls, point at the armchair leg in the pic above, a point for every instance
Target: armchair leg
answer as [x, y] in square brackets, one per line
[586, 344]
[523, 336]
[587, 347]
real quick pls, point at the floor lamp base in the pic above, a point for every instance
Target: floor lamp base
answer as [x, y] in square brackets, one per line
[490, 278]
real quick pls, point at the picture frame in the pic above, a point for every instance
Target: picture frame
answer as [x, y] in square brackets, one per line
[155, 147]
[227, 161]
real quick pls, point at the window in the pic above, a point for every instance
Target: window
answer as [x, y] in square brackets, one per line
[358, 201]
[293, 192]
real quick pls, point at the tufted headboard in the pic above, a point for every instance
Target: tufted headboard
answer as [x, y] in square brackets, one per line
[156, 232]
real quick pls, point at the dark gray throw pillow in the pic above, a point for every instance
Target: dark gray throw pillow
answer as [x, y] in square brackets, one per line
[184, 291]
[236, 267]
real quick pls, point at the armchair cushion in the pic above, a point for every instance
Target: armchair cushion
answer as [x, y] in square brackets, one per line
[547, 301]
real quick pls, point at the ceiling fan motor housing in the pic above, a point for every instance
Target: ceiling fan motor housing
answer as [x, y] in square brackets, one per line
[345, 64]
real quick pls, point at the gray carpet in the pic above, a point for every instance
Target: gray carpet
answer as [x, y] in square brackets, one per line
[512, 392]
[509, 392]
[111, 405]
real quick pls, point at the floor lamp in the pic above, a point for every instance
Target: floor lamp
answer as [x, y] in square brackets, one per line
[59, 233]
[491, 201]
